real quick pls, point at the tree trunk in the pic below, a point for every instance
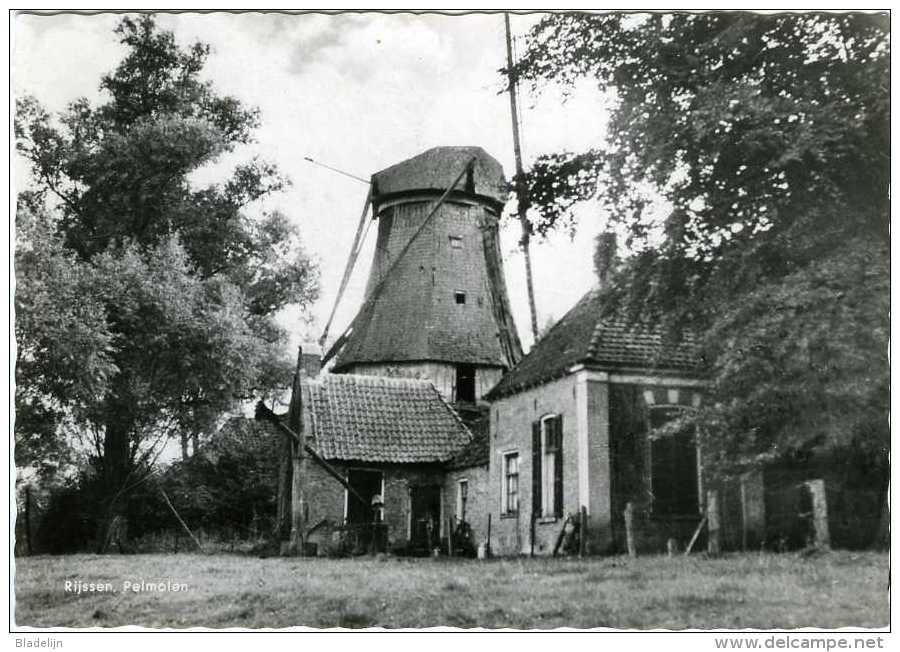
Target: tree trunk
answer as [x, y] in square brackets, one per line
[116, 467]
[184, 446]
[195, 442]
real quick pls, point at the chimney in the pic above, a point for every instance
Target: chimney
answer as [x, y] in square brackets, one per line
[606, 257]
[310, 363]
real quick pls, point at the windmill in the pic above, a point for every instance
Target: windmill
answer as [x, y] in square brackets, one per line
[436, 304]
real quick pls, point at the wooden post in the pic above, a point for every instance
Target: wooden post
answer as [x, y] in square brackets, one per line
[820, 514]
[532, 533]
[582, 531]
[753, 510]
[713, 544]
[298, 462]
[671, 547]
[487, 549]
[629, 529]
[450, 536]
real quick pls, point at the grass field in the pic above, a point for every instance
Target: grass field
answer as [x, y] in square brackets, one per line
[836, 589]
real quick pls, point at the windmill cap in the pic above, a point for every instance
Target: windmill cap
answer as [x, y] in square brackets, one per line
[436, 169]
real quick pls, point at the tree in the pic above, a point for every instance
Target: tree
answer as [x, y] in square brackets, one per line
[768, 137]
[176, 286]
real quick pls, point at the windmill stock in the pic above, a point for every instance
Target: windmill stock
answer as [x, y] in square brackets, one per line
[520, 184]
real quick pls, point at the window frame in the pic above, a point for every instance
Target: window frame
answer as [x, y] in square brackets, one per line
[504, 484]
[698, 475]
[462, 499]
[548, 467]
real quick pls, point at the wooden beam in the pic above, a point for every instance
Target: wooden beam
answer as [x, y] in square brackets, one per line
[697, 532]
[180, 520]
[298, 462]
[264, 413]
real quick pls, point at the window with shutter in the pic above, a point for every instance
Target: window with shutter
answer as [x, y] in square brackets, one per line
[558, 470]
[548, 465]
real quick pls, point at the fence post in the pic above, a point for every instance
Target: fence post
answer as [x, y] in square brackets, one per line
[629, 529]
[582, 531]
[753, 510]
[671, 547]
[819, 514]
[713, 546]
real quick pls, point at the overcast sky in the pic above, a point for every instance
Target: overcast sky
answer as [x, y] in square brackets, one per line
[359, 92]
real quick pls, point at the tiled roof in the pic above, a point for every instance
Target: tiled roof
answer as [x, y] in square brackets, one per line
[476, 452]
[436, 168]
[377, 419]
[583, 335]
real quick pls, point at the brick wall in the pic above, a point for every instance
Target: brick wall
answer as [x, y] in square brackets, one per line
[326, 497]
[478, 504]
[511, 419]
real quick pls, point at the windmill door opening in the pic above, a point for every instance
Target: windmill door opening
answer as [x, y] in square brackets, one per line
[425, 517]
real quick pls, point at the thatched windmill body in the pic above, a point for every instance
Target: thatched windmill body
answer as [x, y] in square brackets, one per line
[436, 304]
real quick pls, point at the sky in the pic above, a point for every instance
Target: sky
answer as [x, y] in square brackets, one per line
[358, 92]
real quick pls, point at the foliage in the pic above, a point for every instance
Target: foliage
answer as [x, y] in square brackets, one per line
[768, 138]
[230, 484]
[145, 304]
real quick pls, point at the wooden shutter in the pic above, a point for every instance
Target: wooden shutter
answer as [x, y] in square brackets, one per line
[536, 468]
[558, 471]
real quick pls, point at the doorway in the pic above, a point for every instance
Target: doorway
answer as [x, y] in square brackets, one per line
[425, 517]
[367, 484]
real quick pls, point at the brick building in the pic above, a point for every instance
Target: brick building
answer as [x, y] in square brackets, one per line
[571, 426]
[390, 437]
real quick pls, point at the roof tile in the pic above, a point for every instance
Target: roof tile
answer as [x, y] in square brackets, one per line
[584, 335]
[378, 419]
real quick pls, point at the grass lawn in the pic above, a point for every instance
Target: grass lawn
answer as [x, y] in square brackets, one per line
[837, 589]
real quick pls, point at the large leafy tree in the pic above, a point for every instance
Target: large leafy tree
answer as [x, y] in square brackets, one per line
[767, 138]
[144, 303]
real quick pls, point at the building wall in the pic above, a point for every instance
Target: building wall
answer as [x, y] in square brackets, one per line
[326, 497]
[605, 465]
[511, 423]
[478, 504]
[441, 374]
